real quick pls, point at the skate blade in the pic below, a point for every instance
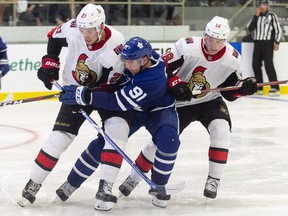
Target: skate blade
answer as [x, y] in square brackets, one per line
[159, 203]
[23, 202]
[204, 202]
[103, 206]
[120, 196]
[57, 199]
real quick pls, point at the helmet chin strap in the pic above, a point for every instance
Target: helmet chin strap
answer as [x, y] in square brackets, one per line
[99, 38]
[100, 33]
[140, 62]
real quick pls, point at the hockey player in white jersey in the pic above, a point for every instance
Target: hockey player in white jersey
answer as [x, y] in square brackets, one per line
[93, 59]
[202, 63]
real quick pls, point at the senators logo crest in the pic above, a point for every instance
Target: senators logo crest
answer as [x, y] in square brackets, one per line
[82, 74]
[198, 81]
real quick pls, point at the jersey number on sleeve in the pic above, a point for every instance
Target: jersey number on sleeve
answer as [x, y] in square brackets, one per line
[167, 56]
[137, 93]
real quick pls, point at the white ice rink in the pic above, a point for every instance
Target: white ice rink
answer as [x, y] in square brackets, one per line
[255, 181]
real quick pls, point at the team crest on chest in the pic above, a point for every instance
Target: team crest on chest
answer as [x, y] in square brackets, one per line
[198, 81]
[82, 74]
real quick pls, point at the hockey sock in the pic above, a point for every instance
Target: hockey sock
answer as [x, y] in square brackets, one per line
[167, 141]
[87, 163]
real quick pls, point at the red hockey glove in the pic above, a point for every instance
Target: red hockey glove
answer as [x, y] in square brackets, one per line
[49, 70]
[180, 89]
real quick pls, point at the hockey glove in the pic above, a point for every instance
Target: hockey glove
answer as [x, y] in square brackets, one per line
[4, 67]
[248, 86]
[179, 89]
[73, 95]
[49, 70]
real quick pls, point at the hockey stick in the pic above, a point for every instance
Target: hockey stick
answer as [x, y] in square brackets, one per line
[231, 88]
[44, 97]
[157, 188]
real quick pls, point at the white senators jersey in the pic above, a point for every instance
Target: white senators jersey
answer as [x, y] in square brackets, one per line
[85, 65]
[201, 70]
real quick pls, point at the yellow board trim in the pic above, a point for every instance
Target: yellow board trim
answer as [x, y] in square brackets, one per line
[24, 95]
[283, 89]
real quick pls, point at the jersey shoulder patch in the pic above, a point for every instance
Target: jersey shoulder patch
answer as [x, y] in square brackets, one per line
[118, 49]
[235, 53]
[189, 40]
[73, 24]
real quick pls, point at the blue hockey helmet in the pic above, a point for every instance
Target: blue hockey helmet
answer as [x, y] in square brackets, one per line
[136, 48]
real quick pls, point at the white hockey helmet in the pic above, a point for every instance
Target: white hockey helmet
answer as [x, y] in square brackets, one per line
[218, 27]
[91, 16]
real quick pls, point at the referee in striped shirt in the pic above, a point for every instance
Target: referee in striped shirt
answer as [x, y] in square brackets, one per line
[266, 33]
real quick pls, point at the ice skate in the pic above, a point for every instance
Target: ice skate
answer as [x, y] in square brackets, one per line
[259, 92]
[158, 199]
[127, 186]
[211, 187]
[65, 191]
[274, 92]
[105, 200]
[29, 193]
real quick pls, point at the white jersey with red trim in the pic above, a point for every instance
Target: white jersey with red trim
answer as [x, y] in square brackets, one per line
[85, 64]
[201, 70]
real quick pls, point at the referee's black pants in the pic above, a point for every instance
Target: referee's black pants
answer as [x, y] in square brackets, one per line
[263, 51]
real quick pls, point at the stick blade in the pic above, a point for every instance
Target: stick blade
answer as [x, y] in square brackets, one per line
[168, 189]
[175, 188]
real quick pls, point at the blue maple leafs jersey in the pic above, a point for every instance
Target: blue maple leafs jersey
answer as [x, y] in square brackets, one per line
[145, 91]
[3, 48]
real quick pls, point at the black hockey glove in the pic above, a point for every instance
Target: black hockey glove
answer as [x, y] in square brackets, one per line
[49, 70]
[248, 86]
[179, 89]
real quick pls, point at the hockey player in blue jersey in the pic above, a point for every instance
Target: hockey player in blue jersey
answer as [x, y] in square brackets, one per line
[4, 63]
[146, 95]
